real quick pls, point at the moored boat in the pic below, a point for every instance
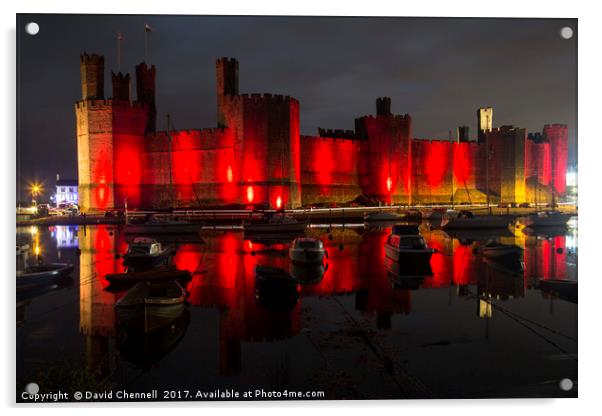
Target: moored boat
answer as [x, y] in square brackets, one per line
[502, 252]
[151, 305]
[382, 216]
[307, 250]
[410, 248]
[145, 253]
[42, 275]
[274, 223]
[156, 225]
[275, 289]
[563, 289]
[544, 219]
[466, 219]
[161, 274]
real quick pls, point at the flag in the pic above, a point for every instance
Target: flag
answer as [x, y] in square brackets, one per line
[147, 28]
[120, 36]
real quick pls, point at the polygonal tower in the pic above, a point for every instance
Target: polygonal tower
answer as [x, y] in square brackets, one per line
[145, 92]
[227, 86]
[485, 122]
[110, 140]
[385, 164]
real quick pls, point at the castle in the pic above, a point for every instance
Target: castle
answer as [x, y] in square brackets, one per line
[256, 155]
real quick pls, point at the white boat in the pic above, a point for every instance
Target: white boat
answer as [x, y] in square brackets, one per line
[306, 250]
[155, 225]
[382, 216]
[145, 253]
[410, 249]
[453, 219]
[544, 219]
[148, 306]
[275, 223]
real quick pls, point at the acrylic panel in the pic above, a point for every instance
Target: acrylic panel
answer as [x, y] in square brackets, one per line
[295, 208]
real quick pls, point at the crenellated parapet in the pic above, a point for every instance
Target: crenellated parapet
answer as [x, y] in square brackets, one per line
[338, 134]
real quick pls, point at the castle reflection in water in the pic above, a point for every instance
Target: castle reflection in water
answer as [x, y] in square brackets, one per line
[356, 266]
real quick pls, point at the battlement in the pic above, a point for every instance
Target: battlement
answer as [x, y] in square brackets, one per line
[92, 58]
[110, 104]
[265, 97]
[401, 117]
[536, 137]
[121, 86]
[226, 60]
[190, 132]
[505, 129]
[337, 133]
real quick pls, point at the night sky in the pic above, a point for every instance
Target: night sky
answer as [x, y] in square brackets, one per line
[437, 70]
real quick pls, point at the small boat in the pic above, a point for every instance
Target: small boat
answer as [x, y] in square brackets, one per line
[409, 248]
[502, 252]
[544, 219]
[453, 219]
[149, 306]
[407, 276]
[146, 253]
[42, 275]
[382, 216]
[274, 223]
[563, 289]
[306, 250]
[156, 225]
[273, 277]
[308, 273]
[275, 289]
[145, 349]
[163, 274]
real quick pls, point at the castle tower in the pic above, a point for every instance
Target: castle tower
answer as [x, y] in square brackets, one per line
[110, 140]
[385, 163]
[121, 87]
[383, 106]
[463, 134]
[92, 71]
[227, 86]
[145, 91]
[485, 122]
[558, 137]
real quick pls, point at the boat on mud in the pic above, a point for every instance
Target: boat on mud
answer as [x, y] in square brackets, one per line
[149, 306]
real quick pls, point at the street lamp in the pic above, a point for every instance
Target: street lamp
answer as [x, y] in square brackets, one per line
[35, 189]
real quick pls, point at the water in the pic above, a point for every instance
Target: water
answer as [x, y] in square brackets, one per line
[471, 329]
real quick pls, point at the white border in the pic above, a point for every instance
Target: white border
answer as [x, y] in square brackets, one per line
[589, 158]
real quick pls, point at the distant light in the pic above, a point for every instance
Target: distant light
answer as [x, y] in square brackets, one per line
[229, 175]
[250, 194]
[571, 178]
[566, 32]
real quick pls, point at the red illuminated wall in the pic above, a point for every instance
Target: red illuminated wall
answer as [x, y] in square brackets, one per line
[432, 170]
[386, 157]
[329, 169]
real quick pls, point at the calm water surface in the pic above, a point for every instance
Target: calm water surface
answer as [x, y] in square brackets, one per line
[361, 330]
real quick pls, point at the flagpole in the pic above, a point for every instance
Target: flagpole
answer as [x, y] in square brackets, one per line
[119, 38]
[145, 44]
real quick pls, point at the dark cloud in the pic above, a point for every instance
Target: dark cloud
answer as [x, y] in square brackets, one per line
[438, 70]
